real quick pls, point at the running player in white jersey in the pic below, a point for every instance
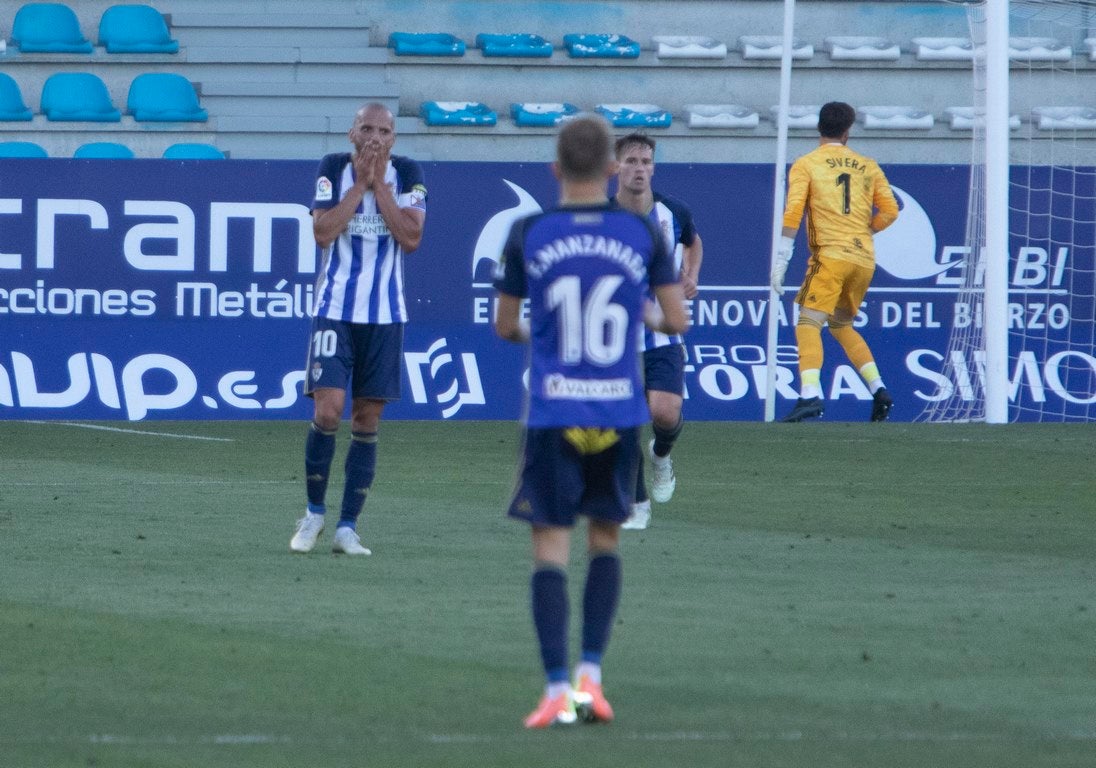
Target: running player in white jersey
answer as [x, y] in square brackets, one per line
[663, 356]
[368, 211]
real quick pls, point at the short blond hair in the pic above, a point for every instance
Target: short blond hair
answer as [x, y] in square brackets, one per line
[584, 148]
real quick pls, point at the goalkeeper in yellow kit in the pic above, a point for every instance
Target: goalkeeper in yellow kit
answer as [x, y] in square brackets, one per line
[847, 199]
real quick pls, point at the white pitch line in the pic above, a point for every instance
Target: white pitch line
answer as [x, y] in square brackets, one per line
[220, 738]
[136, 431]
[204, 482]
[790, 736]
[793, 736]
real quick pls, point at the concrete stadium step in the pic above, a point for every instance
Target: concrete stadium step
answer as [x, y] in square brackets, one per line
[269, 29]
[275, 99]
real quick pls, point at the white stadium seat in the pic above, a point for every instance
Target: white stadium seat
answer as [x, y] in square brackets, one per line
[689, 47]
[721, 116]
[896, 118]
[963, 119]
[772, 47]
[942, 48]
[799, 116]
[862, 49]
[1064, 118]
[1038, 49]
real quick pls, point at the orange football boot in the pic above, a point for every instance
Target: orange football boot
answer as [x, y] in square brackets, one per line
[590, 703]
[559, 710]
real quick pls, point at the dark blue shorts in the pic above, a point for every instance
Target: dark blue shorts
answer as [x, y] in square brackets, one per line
[579, 471]
[664, 369]
[364, 355]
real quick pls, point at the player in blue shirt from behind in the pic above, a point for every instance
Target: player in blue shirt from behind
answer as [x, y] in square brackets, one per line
[586, 268]
[368, 211]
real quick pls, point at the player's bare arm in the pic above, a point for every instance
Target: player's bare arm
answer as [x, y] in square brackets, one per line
[405, 224]
[508, 322]
[328, 224]
[691, 259]
[668, 315]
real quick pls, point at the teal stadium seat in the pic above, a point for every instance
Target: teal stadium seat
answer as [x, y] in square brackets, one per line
[48, 28]
[135, 29]
[635, 115]
[514, 45]
[425, 44]
[465, 113]
[77, 96]
[21, 149]
[11, 100]
[103, 150]
[601, 46]
[193, 152]
[164, 97]
[539, 115]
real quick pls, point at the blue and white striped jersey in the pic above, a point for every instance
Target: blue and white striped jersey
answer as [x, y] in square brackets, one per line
[587, 271]
[675, 221]
[361, 273]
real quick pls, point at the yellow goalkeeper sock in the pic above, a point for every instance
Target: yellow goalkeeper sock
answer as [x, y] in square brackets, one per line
[809, 338]
[854, 345]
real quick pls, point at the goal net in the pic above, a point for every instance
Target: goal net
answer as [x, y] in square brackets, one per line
[1050, 305]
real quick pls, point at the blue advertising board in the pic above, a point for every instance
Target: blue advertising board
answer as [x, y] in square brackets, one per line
[145, 289]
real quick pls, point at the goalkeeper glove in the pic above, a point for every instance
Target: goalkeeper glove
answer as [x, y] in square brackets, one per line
[780, 265]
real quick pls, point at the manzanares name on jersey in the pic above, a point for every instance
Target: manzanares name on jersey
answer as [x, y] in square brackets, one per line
[560, 387]
[588, 245]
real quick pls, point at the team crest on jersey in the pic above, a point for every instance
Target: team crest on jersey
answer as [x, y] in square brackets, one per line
[324, 188]
[317, 371]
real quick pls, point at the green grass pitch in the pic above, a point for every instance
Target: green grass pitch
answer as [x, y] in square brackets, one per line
[816, 595]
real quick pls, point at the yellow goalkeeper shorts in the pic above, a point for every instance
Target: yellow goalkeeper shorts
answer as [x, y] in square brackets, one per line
[832, 283]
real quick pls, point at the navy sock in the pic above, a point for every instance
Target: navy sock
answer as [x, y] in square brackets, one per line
[641, 487]
[599, 604]
[319, 449]
[665, 438]
[548, 591]
[361, 465]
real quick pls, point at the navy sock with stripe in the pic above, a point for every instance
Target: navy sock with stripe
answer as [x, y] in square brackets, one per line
[361, 465]
[319, 450]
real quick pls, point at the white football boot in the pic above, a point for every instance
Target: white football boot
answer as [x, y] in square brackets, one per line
[640, 517]
[663, 480]
[347, 542]
[309, 529]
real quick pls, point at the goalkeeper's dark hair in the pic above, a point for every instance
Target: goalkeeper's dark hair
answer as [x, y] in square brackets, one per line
[635, 137]
[584, 147]
[834, 119]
